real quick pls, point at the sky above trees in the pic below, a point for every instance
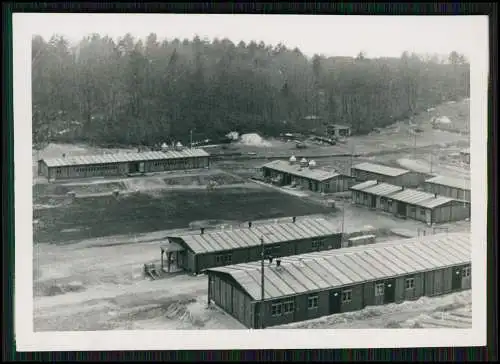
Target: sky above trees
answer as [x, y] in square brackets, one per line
[376, 36]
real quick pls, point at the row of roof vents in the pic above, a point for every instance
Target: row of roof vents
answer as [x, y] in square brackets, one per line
[164, 147]
[202, 230]
[303, 162]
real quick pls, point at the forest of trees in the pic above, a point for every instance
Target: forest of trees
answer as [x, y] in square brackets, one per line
[136, 92]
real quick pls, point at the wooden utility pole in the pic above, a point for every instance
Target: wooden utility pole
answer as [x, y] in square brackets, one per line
[261, 310]
[351, 159]
[208, 292]
[343, 218]
[414, 145]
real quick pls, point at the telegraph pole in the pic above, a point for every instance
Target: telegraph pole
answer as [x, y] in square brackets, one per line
[191, 138]
[352, 157]
[261, 311]
[414, 145]
[465, 186]
[343, 217]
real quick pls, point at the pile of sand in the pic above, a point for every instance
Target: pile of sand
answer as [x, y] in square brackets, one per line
[254, 140]
[443, 120]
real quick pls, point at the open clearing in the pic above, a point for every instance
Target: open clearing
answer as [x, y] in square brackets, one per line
[140, 212]
[96, 282]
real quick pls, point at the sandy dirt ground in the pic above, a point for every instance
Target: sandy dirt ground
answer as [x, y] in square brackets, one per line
[445, 169]
[97, 284]
[86, 286]
[397, 137]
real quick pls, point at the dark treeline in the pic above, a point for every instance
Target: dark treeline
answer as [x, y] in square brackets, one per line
[144, 92]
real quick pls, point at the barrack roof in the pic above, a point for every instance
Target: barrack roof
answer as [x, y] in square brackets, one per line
[351, 266]
[374, 188]
[123, 157]
[420, 198]
[462, 183]
[230, 239]
[316, 173]
[380, 169]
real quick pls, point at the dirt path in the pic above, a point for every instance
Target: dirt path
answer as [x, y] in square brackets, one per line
[424, 166]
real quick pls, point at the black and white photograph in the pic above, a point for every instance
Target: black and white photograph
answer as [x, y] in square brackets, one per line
[249, 181]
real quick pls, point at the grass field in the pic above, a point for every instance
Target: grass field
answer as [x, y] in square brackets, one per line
[143, 212]
[202, 180]
[44, 190]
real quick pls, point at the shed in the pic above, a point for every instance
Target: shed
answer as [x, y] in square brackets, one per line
[338, 131]
[313, 285]
[122, 164]
[307, 175]
[382, 173]
[457, 188]
[209, 249]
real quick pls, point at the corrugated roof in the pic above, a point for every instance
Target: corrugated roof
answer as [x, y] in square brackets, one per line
[461, 183]
[316, 173]
[123, 157]
[380, 169]
[350, 266]
[213, 241]
[420, 198]
[339, 126]
[374, 188]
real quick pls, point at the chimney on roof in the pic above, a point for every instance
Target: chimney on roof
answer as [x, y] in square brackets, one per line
[64, 155]
[312, 164]
[278, 262]
[435, 195]
[292, 160]
[294, 219]
[376, 181]
[249, 224]
[202, 230]
[402, 188]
